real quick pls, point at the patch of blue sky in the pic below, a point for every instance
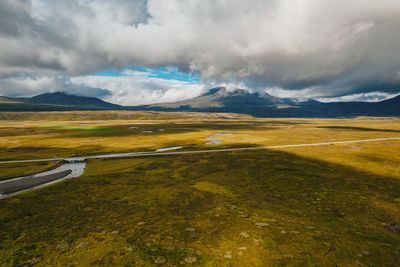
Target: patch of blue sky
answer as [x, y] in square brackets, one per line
[166, 73]
[109, 72]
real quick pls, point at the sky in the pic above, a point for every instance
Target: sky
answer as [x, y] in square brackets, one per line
[135, 52]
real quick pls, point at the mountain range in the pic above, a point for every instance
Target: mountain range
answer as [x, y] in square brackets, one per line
[264, 105]
[215, 100]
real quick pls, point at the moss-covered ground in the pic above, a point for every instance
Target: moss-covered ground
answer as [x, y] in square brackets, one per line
[336, 205]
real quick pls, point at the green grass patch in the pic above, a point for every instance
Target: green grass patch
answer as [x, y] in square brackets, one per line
[213, 188]
[95, 129]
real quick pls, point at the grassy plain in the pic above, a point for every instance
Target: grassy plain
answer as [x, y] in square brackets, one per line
[336, 205]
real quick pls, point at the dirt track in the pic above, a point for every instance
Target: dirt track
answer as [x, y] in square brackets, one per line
[155, 153]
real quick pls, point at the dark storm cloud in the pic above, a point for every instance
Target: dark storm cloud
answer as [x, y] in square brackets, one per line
[13, 14]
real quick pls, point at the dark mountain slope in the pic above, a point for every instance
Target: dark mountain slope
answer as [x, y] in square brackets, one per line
[55, 102]
[66, 100]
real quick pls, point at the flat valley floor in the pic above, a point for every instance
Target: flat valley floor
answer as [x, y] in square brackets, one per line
[328, 205]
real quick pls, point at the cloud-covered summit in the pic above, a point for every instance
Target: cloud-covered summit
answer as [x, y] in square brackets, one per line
[324, 48]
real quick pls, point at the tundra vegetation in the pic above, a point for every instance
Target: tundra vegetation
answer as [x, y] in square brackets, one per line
[336, 205]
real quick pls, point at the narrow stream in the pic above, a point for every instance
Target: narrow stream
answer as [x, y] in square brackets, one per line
[73, 167]
[18, 185]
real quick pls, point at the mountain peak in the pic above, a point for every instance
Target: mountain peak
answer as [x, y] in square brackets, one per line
[239, 92]
[222, 91]
[216, 91]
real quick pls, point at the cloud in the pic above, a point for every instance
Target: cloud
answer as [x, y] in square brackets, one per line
[141, 87]
[325, 48]
[364, 97]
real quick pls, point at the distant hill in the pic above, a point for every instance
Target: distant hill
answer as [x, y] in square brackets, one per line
[264, 105]
[222, 100]
[55, 102]
[215, 100]
[389, 107]
[221, 97]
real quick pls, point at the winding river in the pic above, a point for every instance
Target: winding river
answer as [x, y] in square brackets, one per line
[18, 185]
[73, 167]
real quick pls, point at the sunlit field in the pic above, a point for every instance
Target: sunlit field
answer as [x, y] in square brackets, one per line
[334, 205]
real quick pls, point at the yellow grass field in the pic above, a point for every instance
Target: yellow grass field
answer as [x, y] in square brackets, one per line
[333, 205]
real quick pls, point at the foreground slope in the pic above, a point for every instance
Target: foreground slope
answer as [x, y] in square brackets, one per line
[302, 206]
[236, 209]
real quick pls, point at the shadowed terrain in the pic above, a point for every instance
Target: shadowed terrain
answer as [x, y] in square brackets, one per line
[236, 209]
